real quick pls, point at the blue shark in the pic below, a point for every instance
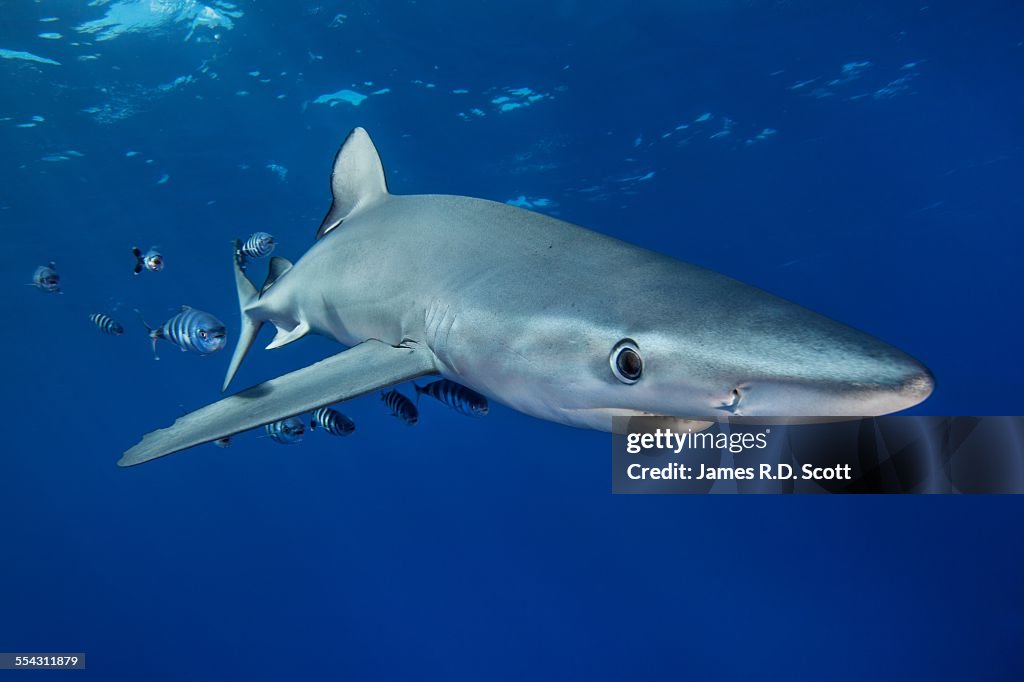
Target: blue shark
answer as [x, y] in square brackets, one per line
[546, 317]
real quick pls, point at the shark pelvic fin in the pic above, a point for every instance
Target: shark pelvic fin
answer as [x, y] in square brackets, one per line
[285, 336]
[278, 267]
[371, 366]
[357, 180]
[247, 296]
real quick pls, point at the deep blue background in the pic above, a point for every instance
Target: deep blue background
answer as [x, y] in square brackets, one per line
[479, 549]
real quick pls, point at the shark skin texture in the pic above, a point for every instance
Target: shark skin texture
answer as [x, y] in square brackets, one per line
[546, 317]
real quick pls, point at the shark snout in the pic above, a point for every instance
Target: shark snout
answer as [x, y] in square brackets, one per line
[917, 386]
[868, 387]
[910, 384]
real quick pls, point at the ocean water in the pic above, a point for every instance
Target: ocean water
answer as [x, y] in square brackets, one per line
[863, 159]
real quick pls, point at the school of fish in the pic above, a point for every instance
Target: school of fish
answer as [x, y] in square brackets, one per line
[201, 333]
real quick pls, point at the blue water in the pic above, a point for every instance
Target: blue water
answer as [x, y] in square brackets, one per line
[862, 159]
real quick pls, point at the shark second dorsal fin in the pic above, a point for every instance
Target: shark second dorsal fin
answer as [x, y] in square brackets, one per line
[278, 267]
[357, 180]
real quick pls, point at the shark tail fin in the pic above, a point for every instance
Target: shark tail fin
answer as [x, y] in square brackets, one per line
[247, 295]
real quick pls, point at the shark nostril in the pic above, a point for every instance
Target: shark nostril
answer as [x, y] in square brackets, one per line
[732, 406]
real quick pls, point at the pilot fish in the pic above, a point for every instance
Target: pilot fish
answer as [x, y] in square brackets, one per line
[106, 324]
[258, 245]
[191, 330]
[401, 407]
[286, 431]
[152, 260]
[332, 421]
[46, 278]
[456, 396]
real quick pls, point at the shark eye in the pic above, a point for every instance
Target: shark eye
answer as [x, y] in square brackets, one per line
[627, 365]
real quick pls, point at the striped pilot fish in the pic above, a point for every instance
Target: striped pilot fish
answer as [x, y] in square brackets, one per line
[287, 431]
[258, 245]
[401, 407]
[152, 260]
[46, 278]
[456, 396]
[191, 330]
[332, 421]
[106, 324]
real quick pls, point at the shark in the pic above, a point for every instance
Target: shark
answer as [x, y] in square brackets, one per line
[548, 318]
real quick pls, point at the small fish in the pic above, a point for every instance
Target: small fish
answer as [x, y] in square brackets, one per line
[46, 278]
[286, 431]
[190, 330]
[106, 324]
[332, 421]
[152, 260]
[223, 442]
[456, 396]
[258, 245]
[401, 407]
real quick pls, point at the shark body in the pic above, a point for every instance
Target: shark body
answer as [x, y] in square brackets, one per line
[546, 317]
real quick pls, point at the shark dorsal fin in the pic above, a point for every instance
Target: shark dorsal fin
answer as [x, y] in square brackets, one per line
[278, 267]
[357, 180]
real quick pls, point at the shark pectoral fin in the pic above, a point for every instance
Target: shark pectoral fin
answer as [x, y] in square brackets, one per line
[284, 336]
[357, 180]
[370, 366]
